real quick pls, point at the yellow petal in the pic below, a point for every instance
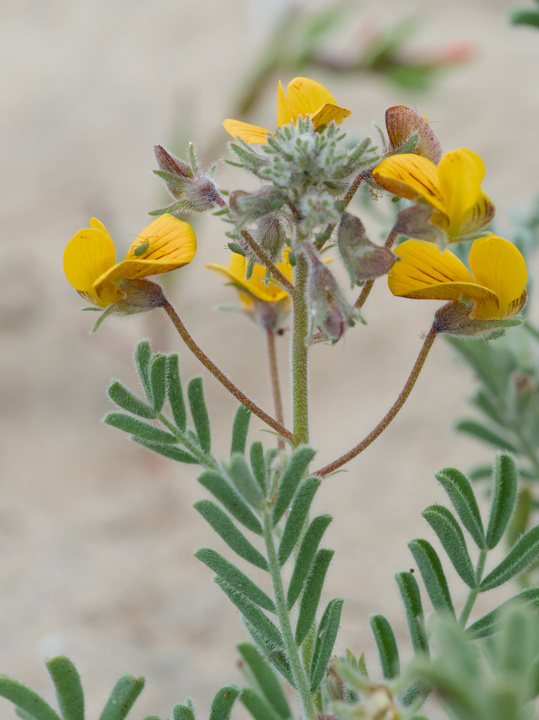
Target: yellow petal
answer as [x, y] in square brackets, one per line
[284, 114]
[422, 267]
[168, 244]
[306, 97]
[497, 264]
[411, 176]
[328, 113]
[88, 255]
[477, 217]
[460, 174]
[250, 133]
[256, 286]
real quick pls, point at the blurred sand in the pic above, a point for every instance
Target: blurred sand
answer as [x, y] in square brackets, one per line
[97, 535]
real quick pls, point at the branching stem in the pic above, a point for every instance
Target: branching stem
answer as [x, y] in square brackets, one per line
[221, 377]
[397, 405]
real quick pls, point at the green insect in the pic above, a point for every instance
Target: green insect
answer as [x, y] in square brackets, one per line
[141, 248]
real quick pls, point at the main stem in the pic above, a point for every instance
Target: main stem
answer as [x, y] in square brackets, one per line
[275, 384]
[221, 377]
[291, 648]
[300, 352]
[472, 595]
[399, 402]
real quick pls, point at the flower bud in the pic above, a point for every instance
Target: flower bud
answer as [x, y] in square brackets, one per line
[192, 190]
[270, 234]
[330, 311]
[402, 123]
[362, 258]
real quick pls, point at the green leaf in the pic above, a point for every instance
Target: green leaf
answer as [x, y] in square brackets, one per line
[387, 646]
[235, 577]
[307, 551]
[433, 576]
[143, 356]
[505, 479]
[325, 641]
[275, 656]
[199, 413]
[68, 687]
[446, 527]
[483, 400]
[245, 484]
[226, 529]
[521, 556]
[170, 451]
[223, 701]
[240, 430]
[488, 624]
[524, 17]
[461, 494]
[138, 428]
[294, 472]
[26, 699]
[470, 427]
[183, 712]
[258, 464]
[125, 399]
[311, 594]
[409, 590]
[226, 494]
[158, 369]
[175, 392]
[257, 706]
[265, 679]
[252, 613]
[122, 697]
[297, 517]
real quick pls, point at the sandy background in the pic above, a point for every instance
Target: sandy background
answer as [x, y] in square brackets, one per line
[96, 534]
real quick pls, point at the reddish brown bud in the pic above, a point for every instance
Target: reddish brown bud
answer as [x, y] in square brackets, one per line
[402, 123]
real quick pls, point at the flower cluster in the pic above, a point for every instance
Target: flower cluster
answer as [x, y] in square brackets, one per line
[309, 173]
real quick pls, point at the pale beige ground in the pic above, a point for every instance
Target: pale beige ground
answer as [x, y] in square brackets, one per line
[96, 535]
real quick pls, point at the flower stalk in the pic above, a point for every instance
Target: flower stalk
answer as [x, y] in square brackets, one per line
[221, 377]
[397, 405]
[300, 352]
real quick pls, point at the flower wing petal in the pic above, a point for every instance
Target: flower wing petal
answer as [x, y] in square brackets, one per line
[247, 132]
[460, 174]
[422, 267]
[329, 112]
[497, 264]
[171, 243]
[478, 216]
[411, 176]
[88, 255]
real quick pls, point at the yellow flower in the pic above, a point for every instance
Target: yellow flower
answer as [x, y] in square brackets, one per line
[496, 286]
[265, 301]
[305, 98]
[89, 258]
[452, 189]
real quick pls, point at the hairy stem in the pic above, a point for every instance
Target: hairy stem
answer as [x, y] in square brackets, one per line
[221, 377]
[300, 352]
[366, 291]
[291, 648]
[275, 384]
[397, 405]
